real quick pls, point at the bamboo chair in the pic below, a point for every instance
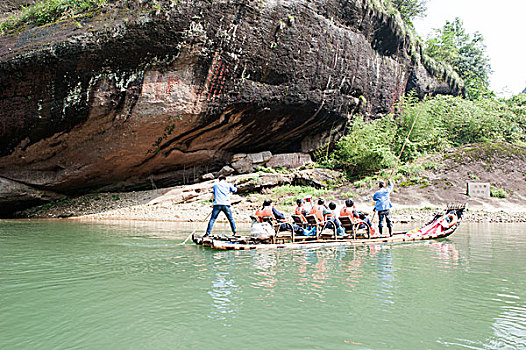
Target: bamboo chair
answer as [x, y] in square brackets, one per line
[280, 235]
[301, 221]
[313, 221]
[329, 225]
[353, 224]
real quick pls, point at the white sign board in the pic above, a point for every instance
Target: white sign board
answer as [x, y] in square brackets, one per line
[479, 189]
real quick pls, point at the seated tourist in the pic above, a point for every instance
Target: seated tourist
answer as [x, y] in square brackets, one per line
[301, 210]
[365, 222]
[267, 210]
[332, 219]
[350, 210]
[320, 210]
[308, 203]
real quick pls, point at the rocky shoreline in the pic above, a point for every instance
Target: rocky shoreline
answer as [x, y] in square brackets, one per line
[147, 206]
[192, 203]
[473, 216]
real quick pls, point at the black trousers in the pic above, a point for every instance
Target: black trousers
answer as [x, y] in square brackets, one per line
[384, 214]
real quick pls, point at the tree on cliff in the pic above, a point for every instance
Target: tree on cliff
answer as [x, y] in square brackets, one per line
[452, 45]
[410, 9]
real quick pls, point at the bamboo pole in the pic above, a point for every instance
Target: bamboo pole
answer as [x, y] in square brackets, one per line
[405, 142]
[402, 150]
[191, 234]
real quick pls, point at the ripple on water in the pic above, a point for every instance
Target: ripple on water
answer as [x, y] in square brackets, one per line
[80, 286]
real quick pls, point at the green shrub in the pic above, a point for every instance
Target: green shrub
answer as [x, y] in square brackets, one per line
[366, 147]
[499, 193]
[430, 166]
[424, 182]
[260, 169]
[348, 195]
[443, 122]
[413, 170]
[288, 201]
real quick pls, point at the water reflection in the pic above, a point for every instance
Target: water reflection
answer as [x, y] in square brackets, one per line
[510, 325]
[352, 269]
[447, 253]
[310, 274]
[224, 298]
[92, 285]
[224, 289]
[381, 255]
[310, 269]
[264, 276]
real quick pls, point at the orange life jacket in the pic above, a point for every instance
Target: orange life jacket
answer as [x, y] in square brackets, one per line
[299, 211]
[318, 211]
[346, 211]
[264, 213]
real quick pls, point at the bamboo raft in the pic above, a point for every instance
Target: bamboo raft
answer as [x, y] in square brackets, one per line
[442, 225]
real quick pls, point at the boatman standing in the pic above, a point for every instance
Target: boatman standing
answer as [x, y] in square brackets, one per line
[383, 206]
[222, 191]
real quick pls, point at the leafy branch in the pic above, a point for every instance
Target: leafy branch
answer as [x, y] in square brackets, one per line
[156, 146]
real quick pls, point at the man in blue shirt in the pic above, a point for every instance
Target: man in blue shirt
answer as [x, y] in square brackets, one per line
[222, 203]
[383, 206]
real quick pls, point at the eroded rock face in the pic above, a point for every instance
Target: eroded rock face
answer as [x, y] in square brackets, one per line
[133, 97]
[15, 196]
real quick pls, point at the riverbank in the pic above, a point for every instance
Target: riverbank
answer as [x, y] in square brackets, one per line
[156, 205]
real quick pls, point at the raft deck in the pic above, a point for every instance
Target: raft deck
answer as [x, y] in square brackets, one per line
[400, 237]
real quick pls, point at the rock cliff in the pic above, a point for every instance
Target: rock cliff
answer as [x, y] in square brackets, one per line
[135, 95]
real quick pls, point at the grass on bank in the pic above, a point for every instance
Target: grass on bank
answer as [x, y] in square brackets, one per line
[289, 193]
[49, 11]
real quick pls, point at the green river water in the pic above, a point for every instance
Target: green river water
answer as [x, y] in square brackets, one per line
[69, 285]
